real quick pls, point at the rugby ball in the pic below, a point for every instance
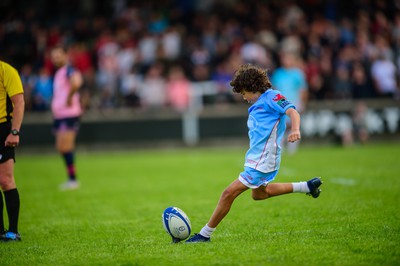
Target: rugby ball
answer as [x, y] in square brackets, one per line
[176, 223]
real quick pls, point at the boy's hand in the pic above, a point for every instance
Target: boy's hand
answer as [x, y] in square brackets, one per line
[294, 136]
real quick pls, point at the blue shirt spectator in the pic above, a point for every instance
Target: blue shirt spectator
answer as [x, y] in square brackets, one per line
[43, 91]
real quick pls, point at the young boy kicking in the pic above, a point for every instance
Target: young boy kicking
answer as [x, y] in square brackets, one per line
[266, 125]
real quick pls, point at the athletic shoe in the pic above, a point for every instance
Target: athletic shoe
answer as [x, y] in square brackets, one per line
[197, 238]
[69, 185]
[313, 186]
[10, 236]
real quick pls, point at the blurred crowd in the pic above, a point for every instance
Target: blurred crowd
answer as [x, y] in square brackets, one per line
[147, 53]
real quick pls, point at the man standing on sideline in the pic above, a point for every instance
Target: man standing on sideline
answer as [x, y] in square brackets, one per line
[290, 80]
[66, 109]
[12, 107]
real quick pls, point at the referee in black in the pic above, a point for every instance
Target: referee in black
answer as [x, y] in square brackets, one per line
[12, 107]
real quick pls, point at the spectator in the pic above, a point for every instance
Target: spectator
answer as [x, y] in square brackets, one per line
[153, 92]
[253, 52]
[346, 32]
[81, 58]
[171, 43]
[107, 75]
[130, 85]
[178, 87]
[148, 46]
[127, 56]
[28, 79]
[383, 73]
[222, 78]
[43, 91]
[342, 84]
[314, 78]
[327, 75]
[361, 86]
[291, 81]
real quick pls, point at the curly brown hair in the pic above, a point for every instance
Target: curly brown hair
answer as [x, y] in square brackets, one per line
[250, 78]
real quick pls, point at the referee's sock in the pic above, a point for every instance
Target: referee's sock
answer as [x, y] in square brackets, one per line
[12, 203]
[69, 162]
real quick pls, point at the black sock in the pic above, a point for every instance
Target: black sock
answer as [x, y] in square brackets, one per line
[69, 162]
[1, 214]
[12, 203]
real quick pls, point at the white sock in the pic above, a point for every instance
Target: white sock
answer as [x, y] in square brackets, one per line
[206, 231]
[300, 187]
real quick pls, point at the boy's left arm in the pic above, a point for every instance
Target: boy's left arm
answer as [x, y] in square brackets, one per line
[294, 134]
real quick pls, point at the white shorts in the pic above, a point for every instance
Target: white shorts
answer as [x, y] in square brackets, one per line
[252, 178]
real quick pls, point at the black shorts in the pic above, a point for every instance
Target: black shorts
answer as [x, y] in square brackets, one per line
[66, 124]
[6, 153]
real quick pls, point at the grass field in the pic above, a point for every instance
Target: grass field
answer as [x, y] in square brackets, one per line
[115, 218]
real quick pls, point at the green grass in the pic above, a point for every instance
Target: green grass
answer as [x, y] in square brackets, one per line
[115, 218]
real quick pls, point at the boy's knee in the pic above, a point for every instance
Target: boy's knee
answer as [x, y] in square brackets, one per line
[256, 197]
[226, 193]
[259, 195]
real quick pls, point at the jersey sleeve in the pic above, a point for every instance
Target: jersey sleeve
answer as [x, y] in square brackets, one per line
[12, 81]
[278, 102]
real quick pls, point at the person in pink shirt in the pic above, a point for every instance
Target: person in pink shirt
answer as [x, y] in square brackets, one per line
[178, 89]
[66, 109]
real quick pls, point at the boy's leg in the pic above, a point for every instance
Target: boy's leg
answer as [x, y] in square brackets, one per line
[222, 209]
[271, 190]
[310, 187]
[225, 202]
